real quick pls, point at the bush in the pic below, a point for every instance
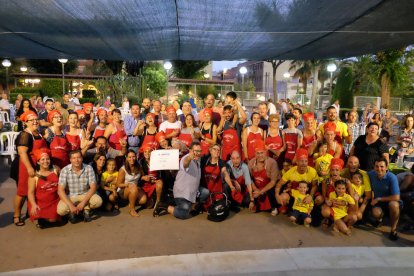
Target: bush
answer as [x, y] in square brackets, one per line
[88, 93]
[53, 87]
[26, 92]
[134, 100]
[343, 88]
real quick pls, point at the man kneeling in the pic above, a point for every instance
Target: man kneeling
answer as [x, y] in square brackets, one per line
[79, 180]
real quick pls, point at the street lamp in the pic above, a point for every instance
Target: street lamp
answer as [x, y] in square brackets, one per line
[206, 75]
[243, 71]
[167, 66]
[286, 76]
[63, 61]
[6, 63]
[23, 69]
[331, 68]
[224, 73]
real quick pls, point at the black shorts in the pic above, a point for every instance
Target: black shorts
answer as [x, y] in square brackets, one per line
[300, 217]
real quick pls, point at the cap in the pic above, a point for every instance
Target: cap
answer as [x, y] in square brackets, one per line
[52, 114]
[39, 153]
[329, 126]
[28, 115]
[337, 162]
[301, 154]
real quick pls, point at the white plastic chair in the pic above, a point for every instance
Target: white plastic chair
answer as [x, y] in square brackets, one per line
[7, 144]
[4, 117]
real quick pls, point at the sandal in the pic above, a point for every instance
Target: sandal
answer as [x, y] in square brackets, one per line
[19, 222]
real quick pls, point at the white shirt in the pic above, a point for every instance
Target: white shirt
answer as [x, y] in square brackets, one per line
[167, 125]
[272, 108]
[4, 104]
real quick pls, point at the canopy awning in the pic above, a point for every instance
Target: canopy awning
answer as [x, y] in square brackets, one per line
[202, 30]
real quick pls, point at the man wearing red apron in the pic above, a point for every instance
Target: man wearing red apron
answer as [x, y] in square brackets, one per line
[231, 134]
[241, 182]
[171, 127]
[265, 174]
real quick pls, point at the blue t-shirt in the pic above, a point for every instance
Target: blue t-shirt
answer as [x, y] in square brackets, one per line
[386, 186]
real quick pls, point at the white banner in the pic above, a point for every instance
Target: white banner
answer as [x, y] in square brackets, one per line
[164, 160]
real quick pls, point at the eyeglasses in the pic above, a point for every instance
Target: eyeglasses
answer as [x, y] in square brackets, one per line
[274, 121]
[198, 151]
[217, 149]
[32, 120]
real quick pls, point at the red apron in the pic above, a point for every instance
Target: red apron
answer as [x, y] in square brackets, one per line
[230, 142]
[74, 141]
[149, 140]
[23, 174]
[186, 138]
[98, 132]
[149, 187]
[59, 149]
[114, 139]
[212, 178]
[251, 140]
[261, 180]
[291, 140]
[274, 143]
[47, 198]
[168, 131]
[238, 196]
[307, 140]
[205, 146]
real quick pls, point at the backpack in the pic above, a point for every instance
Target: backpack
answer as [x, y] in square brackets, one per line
[219, 209]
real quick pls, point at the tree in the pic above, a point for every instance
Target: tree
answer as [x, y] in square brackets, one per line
[392, 70]
[155, 78]
[315, 65]
[303, 71]
[275, 65]
[115, 66]
[188, 69]
[52, 66]
[343, 88]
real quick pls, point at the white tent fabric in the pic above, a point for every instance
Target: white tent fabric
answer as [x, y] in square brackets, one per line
[201, 29]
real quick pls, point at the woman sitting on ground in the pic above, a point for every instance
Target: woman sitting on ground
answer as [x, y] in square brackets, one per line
[128, 178]
[42, 191]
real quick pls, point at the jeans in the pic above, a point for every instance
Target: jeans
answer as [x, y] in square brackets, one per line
[183, 206]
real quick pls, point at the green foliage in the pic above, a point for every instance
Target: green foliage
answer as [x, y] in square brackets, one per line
[52, 66]
[53, 87]
[188, 69]
[343, 88]
[204, 90]
[26, 92]
[248, 86]
[117, 87]
[134, 100]
[115, 66]
[155, 79]
[88, 93]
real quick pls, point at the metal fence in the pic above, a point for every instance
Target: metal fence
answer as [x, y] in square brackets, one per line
[396, 104]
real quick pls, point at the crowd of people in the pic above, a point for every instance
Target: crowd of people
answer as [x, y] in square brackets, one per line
[76, 158]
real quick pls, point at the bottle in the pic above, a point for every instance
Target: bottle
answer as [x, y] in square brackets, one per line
[400, 161]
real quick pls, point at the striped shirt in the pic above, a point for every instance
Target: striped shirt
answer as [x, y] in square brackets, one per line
[77, 184]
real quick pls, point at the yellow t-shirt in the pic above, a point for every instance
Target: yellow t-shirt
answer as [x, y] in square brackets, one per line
[365, 178]
[360, 190]
[105, 176]
[340, 212]
[292, 175]
[341, 128]
[298, 204]
[322, 164]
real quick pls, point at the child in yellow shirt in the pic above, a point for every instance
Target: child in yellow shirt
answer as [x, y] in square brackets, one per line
[323, 160]
[359, 194]
[301, 210]
[108, 183]
[340, 201]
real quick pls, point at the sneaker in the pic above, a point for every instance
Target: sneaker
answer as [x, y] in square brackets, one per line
[393, 236]
[274, 212]
[86, 216]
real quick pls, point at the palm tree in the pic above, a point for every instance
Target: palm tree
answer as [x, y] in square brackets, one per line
[303, 71]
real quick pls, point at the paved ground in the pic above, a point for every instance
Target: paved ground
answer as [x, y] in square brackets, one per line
[120, 237]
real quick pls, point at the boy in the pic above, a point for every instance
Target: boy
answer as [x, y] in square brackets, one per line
[301, 211]
[359, 192]
[339, 201]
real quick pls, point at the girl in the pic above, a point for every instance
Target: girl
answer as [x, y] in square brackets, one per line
[151, 180]
[147, 132]
[323, 160]
[359, 192]
[109, 179]
[74, 133]
[292, 136]
[190, 131]
[114, 132]
[250, 135]
[208, 131]
[309, 136]
[56, 139]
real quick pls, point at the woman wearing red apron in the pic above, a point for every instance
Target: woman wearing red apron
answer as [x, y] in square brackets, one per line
[274, 140]
[292, 136]
[190, 131]
[74, 133]
[115, 132]
[211, 169]
[99, 128]
[43, 195]
[208, 131]
[146, 132]
[26, 142]
[309, 136]
[264, 174]
[151, 179]
[251, 135]
[56, 139]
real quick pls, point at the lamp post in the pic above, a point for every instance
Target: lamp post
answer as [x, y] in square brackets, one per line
[63, 61]
[331, 68]
[206, 75]
[6, 63]
[243, 71]
[167, 67]
[224, 73]
[286, 76]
